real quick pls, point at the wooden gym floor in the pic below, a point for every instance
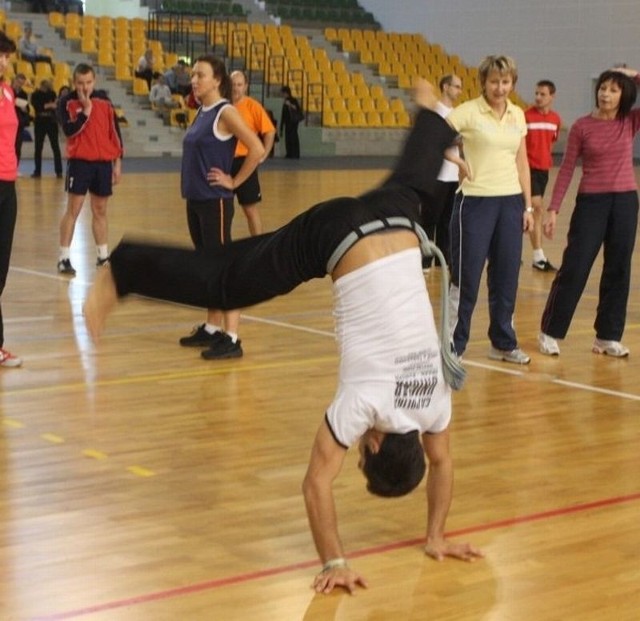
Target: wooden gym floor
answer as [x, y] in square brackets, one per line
[141, 483]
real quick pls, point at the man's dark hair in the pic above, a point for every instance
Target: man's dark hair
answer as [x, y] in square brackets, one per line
[627, 86]
[445, 80]
[549, 84]
[7, 45]
[83, 69]
[397, 468]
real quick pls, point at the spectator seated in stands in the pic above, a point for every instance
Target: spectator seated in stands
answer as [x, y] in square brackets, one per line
[29, 50]
[178, 78]
[160, 96]
[144, 68]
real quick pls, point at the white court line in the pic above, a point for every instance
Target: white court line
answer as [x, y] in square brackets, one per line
[75, 280]
[30, 319]
[561, 382]
[291, 326]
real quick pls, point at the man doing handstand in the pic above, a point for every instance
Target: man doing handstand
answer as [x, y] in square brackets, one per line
[392, 397]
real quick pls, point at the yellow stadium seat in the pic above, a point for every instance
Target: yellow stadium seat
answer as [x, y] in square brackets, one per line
[105, 57]
[43, 72]
[123, 70]
[397, 105]
[358, 119]
[329, 118]
[140, 87]
[381, 105]
[25, 67]
[403, 119]
[354, 104]
[367, 104]
[56, 19]
[373, 119]
[88, 44]
[343, 119]
[389, 119]
[337, 104]
[331, 34]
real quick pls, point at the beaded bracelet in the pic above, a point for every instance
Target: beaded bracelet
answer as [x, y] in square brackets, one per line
[334, 563]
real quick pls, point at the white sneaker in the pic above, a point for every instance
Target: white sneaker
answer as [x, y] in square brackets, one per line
[548, 345]
[610, 348]
[515, 356]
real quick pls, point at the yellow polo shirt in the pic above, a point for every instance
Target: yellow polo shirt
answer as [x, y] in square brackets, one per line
[490, 146]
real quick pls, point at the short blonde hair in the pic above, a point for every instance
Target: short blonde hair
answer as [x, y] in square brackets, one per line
[504, 65]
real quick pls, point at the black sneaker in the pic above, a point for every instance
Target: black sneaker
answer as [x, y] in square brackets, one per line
[543, 266]
[100, 262]
[223, 348]
[199, 337]
[65, 267]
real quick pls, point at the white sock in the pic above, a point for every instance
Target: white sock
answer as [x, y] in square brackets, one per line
[212, 328]
[233, 335]
[538, 255]
[65, 252]
[103, 251]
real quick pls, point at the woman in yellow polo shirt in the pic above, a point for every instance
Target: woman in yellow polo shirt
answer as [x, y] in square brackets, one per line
[491, 210]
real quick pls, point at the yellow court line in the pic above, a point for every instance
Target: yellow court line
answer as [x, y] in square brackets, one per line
[139, 471]
[94, 454]
[139, 379]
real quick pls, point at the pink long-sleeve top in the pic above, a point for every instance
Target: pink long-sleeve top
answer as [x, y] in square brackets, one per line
[606, 150]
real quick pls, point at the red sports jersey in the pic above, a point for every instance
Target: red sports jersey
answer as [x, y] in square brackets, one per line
[542, 132]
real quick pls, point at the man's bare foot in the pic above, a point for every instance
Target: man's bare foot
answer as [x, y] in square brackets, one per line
[424, 94]
[101, 300]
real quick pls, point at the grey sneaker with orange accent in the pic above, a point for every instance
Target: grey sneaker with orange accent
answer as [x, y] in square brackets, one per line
[515, 356]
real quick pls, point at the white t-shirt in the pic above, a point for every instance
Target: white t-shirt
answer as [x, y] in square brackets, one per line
[449, 170]
[390, 374]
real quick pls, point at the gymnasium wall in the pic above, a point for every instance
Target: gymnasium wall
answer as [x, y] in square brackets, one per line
[567, 41]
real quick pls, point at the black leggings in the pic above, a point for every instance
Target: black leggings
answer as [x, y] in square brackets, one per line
[8, 213]
[256, 269]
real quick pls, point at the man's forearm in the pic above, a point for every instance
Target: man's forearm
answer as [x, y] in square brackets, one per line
[439, 494]
[321, 512]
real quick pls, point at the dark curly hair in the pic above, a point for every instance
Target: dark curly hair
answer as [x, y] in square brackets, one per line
[397, 468]
[627, 86]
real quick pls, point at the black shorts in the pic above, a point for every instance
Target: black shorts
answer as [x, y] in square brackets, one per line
[539, 180]
[84, 176]
[249, 192]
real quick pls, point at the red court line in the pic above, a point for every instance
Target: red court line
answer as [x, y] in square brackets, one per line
[211, 585]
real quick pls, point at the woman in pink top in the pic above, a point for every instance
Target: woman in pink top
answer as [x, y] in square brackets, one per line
[8, 174]
[605, 214]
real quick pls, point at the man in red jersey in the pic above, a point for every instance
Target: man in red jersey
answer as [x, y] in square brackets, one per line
[94, 152]
[543, 127]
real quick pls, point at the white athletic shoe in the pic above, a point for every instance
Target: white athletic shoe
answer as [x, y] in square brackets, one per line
[610, 348]
[548, 345]
[515, 356]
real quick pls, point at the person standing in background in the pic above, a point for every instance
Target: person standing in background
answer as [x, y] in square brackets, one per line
[605, 216]
[437, 216]
[255, 116]
[492, 209]
[94, 153]
[8, 175]
[543, 128]
[21, 99]
[208, 184]
[45, 125]
[290, 118]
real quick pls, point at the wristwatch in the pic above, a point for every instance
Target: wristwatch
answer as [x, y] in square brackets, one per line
[529, 209]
